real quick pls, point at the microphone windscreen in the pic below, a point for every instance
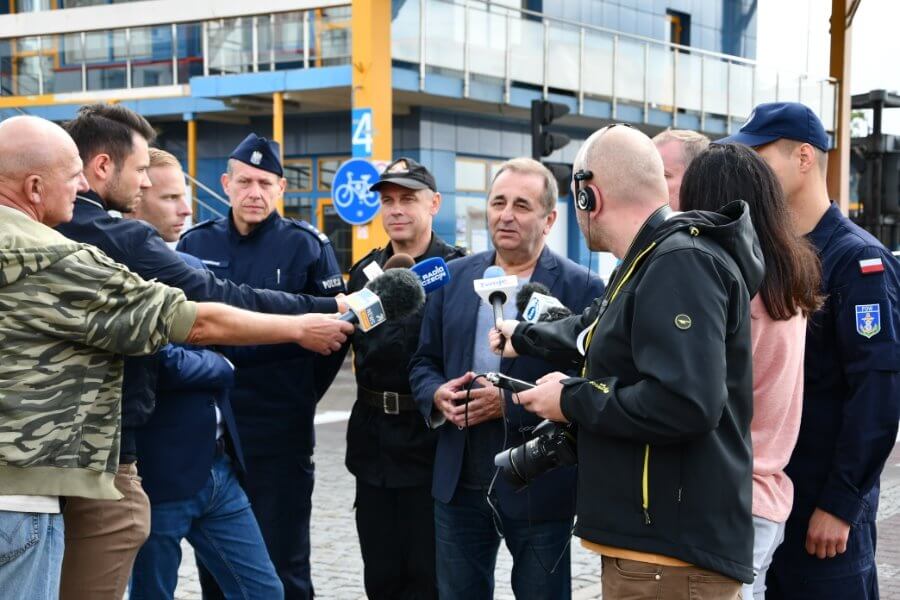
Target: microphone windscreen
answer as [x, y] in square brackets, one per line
[524, 294]
[400, 293]
[399, 261]
[494, 271]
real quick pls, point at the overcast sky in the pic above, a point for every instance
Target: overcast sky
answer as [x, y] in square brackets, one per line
[783, 42]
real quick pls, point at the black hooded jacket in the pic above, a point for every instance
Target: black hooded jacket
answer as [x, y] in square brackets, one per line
[664, 403]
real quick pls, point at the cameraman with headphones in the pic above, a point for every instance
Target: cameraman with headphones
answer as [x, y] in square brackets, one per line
[664, 400]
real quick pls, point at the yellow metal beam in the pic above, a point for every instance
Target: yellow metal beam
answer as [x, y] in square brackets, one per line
[372, 88]
[278, 135]
[26, 101]
[192, 158]
[839, 157]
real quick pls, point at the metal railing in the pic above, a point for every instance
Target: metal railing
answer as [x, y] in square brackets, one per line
[196, 183]
[170, 53]
[511, 46]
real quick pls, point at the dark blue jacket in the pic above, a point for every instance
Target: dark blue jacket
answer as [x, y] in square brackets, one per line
[276, 387]
[176, 446]
[445, 351]
[851, 394]
[139, 247]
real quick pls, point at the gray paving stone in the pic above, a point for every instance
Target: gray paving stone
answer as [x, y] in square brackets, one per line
[337, 567]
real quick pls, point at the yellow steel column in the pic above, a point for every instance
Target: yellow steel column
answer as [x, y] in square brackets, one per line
[278, 135]
[839, 157]
[192, 159]
[371, 60]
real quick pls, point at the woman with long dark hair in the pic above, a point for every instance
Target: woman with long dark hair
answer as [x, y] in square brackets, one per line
[788, 295]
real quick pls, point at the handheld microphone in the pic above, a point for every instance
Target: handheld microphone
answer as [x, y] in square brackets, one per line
[394, 295]
[433, 273]
[496, 288]
[524, 295]
[400, 292]
[536, 304]
[399, 261]
[365, 310]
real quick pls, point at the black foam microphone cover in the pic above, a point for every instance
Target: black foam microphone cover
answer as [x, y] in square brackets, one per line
[400, 293]
[555, 313]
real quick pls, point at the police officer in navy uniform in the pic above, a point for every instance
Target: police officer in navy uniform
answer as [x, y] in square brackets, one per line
[851, 400]
[390, 450]
[276, 388]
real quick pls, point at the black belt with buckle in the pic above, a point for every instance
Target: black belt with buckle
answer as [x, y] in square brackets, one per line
[391, 403]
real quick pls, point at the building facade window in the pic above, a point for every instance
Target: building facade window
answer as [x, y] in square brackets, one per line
[298, 173]
[327, 168]
[471, 175]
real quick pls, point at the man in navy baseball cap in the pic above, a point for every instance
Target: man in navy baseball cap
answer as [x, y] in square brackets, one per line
[774, 121]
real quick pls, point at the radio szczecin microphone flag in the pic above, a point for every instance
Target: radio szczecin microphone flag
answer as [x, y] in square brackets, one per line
[433, 273]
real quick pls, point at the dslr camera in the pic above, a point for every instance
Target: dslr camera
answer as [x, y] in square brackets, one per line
[553, 445]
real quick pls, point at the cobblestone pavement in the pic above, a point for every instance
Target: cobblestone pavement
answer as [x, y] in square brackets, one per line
[337, 567]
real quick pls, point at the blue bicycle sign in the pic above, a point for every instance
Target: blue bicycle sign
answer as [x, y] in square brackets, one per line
[353, 201]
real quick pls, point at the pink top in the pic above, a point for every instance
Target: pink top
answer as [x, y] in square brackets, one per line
[777, 405]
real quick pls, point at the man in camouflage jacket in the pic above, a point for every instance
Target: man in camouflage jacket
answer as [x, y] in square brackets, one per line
[67, 314]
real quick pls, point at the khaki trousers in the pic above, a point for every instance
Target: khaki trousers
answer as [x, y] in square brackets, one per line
[102, 539]
[624, 579]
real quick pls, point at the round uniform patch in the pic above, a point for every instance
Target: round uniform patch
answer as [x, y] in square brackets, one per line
[682, 321]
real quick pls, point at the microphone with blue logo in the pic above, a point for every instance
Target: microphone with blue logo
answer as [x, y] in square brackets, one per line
[432, 273]
[535, 304]
[496, 288]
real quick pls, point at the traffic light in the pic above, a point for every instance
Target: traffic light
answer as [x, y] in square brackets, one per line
[562, 172]
[543, 142]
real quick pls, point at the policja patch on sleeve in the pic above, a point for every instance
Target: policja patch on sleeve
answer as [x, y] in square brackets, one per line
[868, 319]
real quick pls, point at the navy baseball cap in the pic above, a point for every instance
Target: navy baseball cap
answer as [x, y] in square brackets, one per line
[781, 120]
[260, 153]
[407, 173]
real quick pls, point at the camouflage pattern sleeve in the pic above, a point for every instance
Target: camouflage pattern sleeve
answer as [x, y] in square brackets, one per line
[88, 298]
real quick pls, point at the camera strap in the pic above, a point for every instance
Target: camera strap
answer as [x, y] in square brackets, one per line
[640, 248]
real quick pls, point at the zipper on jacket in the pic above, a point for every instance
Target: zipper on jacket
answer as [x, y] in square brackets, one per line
[645, 485]
[590, 334]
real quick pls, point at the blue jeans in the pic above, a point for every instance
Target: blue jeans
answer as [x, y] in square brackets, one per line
[220, 526]
[280, 489]
[31, 552]
[767, 535]
[467, 543]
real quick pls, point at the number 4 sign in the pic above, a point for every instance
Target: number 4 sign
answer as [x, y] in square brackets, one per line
[361, 137]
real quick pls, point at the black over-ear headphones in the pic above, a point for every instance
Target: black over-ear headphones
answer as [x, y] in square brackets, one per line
[585, 197]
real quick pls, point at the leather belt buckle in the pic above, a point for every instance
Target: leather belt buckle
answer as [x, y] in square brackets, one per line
[391, 403]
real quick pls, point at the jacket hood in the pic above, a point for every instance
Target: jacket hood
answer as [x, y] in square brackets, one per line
[28, 247]
[732, 230]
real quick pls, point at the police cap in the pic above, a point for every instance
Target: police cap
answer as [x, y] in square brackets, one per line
[259, 152]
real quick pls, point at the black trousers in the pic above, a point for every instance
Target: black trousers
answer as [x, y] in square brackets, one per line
[280, 491]
[396, 535]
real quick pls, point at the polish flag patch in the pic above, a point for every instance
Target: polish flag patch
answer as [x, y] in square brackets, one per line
[871, 265]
